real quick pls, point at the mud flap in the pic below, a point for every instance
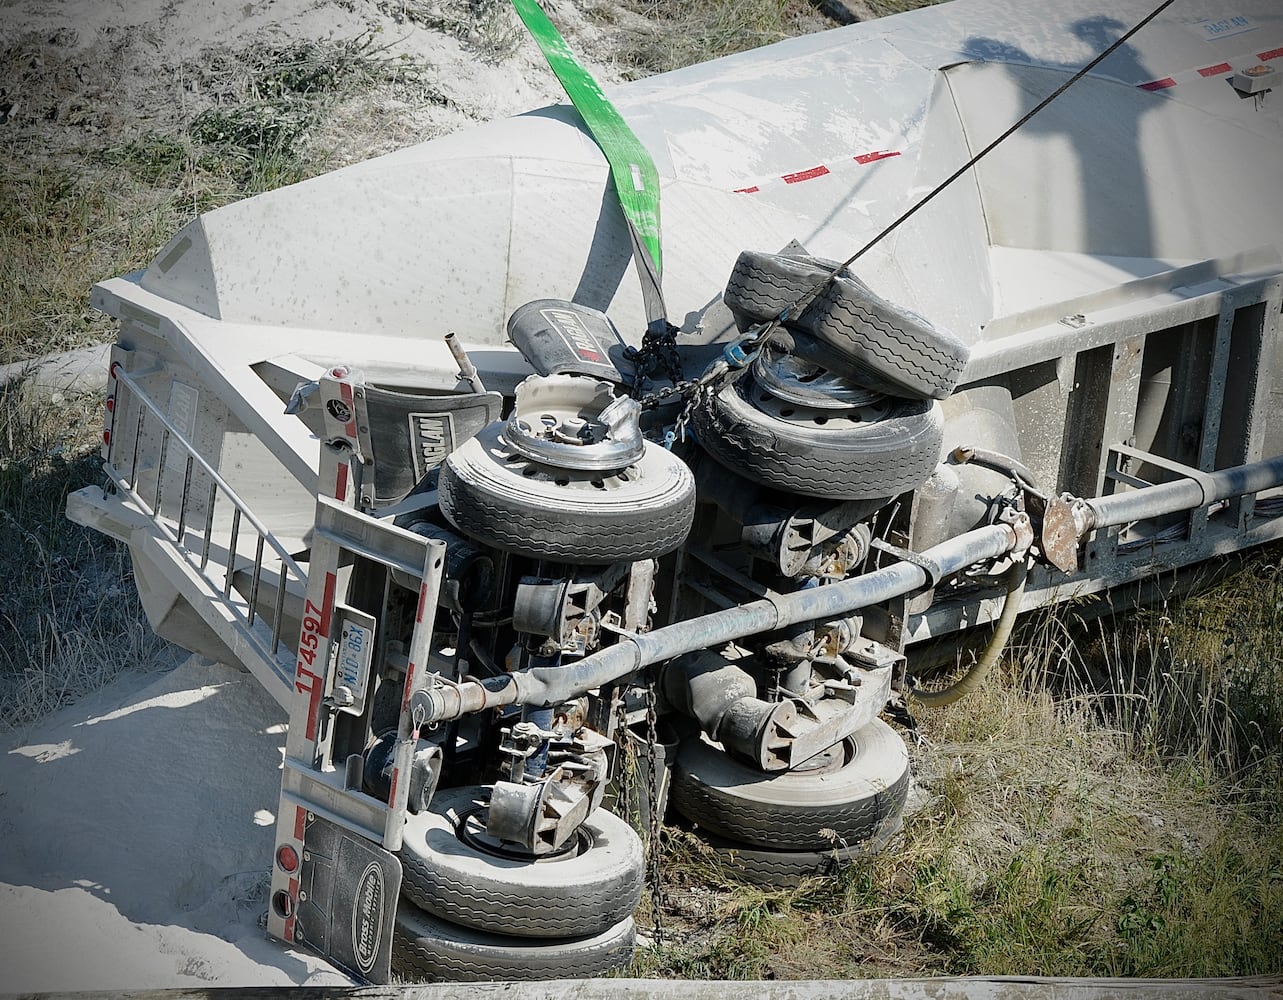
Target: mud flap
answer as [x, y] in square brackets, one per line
[348, 892]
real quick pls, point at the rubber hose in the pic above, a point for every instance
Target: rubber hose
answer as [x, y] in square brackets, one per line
[1015, 579]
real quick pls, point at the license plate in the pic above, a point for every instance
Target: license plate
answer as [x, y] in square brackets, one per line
[353, 655]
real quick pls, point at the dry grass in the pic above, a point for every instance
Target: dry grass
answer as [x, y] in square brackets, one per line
[674, 34]
[86, 195]
[489, 29]
[73, 623]
[1111, 805]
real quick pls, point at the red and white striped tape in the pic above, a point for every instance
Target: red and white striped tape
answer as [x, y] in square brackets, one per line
[812, 173]
[1216, 69]
[822, 170]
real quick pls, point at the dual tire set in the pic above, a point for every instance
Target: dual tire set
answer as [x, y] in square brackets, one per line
[844, 402]
[472, 910]
[776, 830]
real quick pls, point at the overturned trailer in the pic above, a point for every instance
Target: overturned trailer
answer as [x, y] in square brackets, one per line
[524, 578]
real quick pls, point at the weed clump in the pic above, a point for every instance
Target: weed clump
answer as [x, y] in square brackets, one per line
[74, 621]
[676, 34]
[488, 28]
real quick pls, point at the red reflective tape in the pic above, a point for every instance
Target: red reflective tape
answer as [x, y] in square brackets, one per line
[805, 175]
[345, 390]
[289, 921]
[423, 602]
[327, 603]
[1162, 84]
[873, 157]
[313, 706]
[409, 686]
[1216, 70]
[300, 822]
[748, 190]
[392, 787]
[315, 682]
[340, 482]
[1272, 54]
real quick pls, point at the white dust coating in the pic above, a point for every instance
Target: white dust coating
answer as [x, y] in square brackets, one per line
[135, 849]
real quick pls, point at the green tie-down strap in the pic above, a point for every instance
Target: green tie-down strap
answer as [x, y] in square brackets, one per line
[636, 179]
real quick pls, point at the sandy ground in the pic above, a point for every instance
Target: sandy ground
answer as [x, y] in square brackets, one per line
[137, 826]
[97, 70]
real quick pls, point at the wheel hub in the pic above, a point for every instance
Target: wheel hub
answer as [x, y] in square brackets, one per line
[827, 761]
[791, 379]
[567, 422]
[470, 828]
[807, 405]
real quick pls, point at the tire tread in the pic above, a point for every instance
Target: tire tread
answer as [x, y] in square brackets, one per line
[865, 463]
[426, 948]
[788, 811]
[536, 534]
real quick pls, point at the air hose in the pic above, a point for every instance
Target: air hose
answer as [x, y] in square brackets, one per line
[1015, 580]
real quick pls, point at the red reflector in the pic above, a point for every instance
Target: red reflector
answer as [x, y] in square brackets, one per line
[106, 437]
[111, 404]
[115, 369]
[287, 858]
[339, 372]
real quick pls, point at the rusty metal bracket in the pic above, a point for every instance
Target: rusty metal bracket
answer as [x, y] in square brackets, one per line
[1059, 537]
[935, 573]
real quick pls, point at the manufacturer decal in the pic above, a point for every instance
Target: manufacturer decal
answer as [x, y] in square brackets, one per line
[572, 330]
[1213, 29]
[367, 917]
[339, 410]
[432, 435]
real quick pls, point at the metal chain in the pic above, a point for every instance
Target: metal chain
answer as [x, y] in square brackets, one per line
[653, 399]
[656, 820]
[626, 768]
[690, 391]
[658, 353]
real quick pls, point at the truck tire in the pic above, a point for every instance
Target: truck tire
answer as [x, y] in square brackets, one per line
[427, 948]
[787, 869]
[893, 350]
[835, 457]
[841, 801]
[581, 892]
[763, 285]
[498, 497]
